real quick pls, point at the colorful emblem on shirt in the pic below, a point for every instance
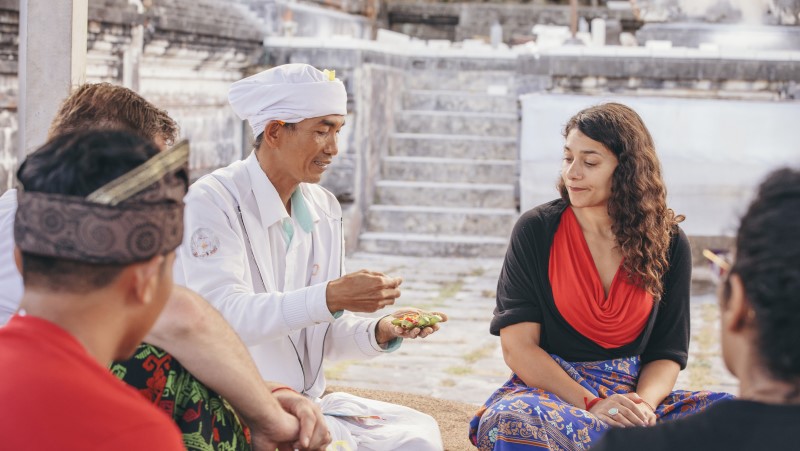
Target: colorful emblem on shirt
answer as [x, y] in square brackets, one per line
[204, 243]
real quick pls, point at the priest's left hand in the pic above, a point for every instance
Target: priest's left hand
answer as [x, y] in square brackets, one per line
[387, 331]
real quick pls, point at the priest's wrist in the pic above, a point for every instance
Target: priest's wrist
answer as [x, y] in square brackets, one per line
[384, 331]
[330, 297]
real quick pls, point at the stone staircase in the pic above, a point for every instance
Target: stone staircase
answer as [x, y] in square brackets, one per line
[447, 186]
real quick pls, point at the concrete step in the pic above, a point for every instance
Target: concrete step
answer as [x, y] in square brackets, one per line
[444, 122]
[461, 80]
[425, 245]
[433, 169]
[432, 194]
[454, 146]
[422, 99]
[496, 222]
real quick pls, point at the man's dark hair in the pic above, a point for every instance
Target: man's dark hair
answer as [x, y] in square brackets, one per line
[76, 164]
[768, 263]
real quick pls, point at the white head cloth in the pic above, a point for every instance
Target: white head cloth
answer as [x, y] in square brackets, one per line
[289, 93]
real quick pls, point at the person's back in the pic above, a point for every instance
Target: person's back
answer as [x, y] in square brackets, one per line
[55, 396]
[728, 425]
[99, 216]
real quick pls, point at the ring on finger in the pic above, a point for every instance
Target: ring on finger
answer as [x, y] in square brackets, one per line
[613, 411]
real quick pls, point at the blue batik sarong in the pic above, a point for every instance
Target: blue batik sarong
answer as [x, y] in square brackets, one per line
[519, 417]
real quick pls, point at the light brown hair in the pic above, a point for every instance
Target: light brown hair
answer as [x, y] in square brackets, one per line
[103, 105]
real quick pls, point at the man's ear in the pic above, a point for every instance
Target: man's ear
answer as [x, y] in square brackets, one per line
[144, 278]
[18, 259]
[272, 134]
[736, 312]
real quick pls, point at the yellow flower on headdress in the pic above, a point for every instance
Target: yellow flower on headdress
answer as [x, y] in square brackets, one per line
[331, 74]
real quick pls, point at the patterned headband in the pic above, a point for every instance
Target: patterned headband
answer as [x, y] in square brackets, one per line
[132, 218]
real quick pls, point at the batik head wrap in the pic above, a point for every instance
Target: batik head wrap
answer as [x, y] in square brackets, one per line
[288, 93]
[132, 218]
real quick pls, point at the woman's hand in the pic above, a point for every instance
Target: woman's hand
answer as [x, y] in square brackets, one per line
[644, 407]
[619, 411]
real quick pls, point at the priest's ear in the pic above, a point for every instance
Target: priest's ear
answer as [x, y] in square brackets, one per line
[272, 133]
[274, 130]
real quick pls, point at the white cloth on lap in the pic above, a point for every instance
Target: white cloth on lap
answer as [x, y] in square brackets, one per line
[398, 429]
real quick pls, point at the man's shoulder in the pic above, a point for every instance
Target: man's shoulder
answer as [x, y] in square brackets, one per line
[8, 209]
[41, 351]
[9, 197]
[8, 204]
[101, 408]
[228, 181]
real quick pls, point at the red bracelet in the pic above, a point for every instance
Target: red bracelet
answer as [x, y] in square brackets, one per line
[283, 387]
[590, 404]
[648, 405]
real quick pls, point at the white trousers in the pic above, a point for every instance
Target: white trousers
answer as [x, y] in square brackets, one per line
[399, 428]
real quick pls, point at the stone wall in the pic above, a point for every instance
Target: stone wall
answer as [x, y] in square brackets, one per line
[669, 72]
[378, 98]
[325, 19]
[518, 20]
[458, 21]
[179, 54]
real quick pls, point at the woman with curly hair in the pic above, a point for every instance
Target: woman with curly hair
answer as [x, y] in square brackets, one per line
[593, 298]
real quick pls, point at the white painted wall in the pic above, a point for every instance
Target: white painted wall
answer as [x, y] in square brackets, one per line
[713, 152]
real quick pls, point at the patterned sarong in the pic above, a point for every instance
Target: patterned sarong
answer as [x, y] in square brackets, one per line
[520, 417]
[207, 422]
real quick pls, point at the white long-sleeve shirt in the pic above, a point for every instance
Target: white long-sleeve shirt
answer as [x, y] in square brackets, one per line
[274, 297]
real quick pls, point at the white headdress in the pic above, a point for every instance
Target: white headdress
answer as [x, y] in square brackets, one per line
[289, 93]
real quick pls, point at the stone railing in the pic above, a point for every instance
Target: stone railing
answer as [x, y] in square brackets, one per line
[458, 21]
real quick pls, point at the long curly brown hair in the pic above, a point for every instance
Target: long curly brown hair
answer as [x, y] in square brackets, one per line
[642, 223]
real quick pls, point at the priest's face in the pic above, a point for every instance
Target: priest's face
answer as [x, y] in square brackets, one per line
[306, 149]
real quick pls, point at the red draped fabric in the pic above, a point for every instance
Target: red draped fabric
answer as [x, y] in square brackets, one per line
[610, 321]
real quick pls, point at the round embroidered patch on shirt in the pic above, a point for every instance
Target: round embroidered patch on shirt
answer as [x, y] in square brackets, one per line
[204, 243]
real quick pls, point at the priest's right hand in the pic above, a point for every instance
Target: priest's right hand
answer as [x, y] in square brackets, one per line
[362, 291]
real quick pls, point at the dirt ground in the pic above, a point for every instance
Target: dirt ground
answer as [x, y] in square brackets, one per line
[453, 417]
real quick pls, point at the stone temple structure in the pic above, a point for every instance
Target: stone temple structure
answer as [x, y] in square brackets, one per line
[448, 136]
[179, 54]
